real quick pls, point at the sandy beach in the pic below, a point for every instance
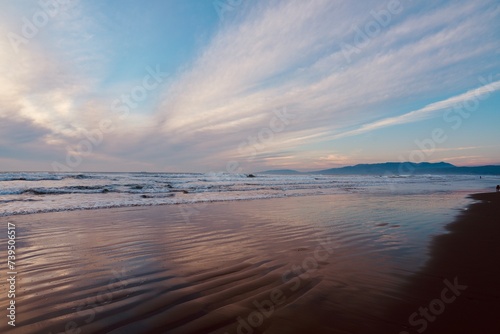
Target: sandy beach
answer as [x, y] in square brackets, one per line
[264, 266]
[249, 167]
[460, 283]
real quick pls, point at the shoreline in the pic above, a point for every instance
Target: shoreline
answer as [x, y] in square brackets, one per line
[458, 289]
[147, 269]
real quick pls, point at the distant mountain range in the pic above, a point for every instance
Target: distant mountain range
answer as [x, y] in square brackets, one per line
[398, 168]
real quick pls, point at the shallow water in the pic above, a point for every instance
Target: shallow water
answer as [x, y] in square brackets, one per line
[322, 264]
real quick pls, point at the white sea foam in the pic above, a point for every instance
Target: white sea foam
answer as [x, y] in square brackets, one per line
[25, 193]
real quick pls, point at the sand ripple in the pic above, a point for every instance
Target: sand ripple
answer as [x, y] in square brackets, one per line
[233, 269]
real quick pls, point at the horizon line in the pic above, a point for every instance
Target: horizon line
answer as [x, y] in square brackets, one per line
[302, 170]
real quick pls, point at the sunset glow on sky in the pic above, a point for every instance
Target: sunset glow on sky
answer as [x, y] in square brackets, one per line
[196, 85]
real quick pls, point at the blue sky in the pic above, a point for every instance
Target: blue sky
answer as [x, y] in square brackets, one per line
[238, 85]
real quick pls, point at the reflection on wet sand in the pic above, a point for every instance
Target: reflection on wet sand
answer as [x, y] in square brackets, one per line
[273, 266]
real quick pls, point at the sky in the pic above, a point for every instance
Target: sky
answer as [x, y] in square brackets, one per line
[245, 86]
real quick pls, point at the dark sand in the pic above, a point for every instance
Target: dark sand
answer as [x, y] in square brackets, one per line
[147, 270]
[470, 253]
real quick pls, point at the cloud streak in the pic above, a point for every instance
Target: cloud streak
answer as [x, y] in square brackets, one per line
[426, 112]
[269, 55]
[262, 64]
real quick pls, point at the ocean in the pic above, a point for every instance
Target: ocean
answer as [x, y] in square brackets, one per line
[36, 192]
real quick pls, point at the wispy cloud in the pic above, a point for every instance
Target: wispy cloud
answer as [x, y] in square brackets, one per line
[271, 54]
[288, 54]
[425, 112]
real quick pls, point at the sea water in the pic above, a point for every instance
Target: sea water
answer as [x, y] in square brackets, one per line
[26, 193]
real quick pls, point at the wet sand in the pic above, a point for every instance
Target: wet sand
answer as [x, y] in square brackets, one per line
[468, 259]
[264, 266]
